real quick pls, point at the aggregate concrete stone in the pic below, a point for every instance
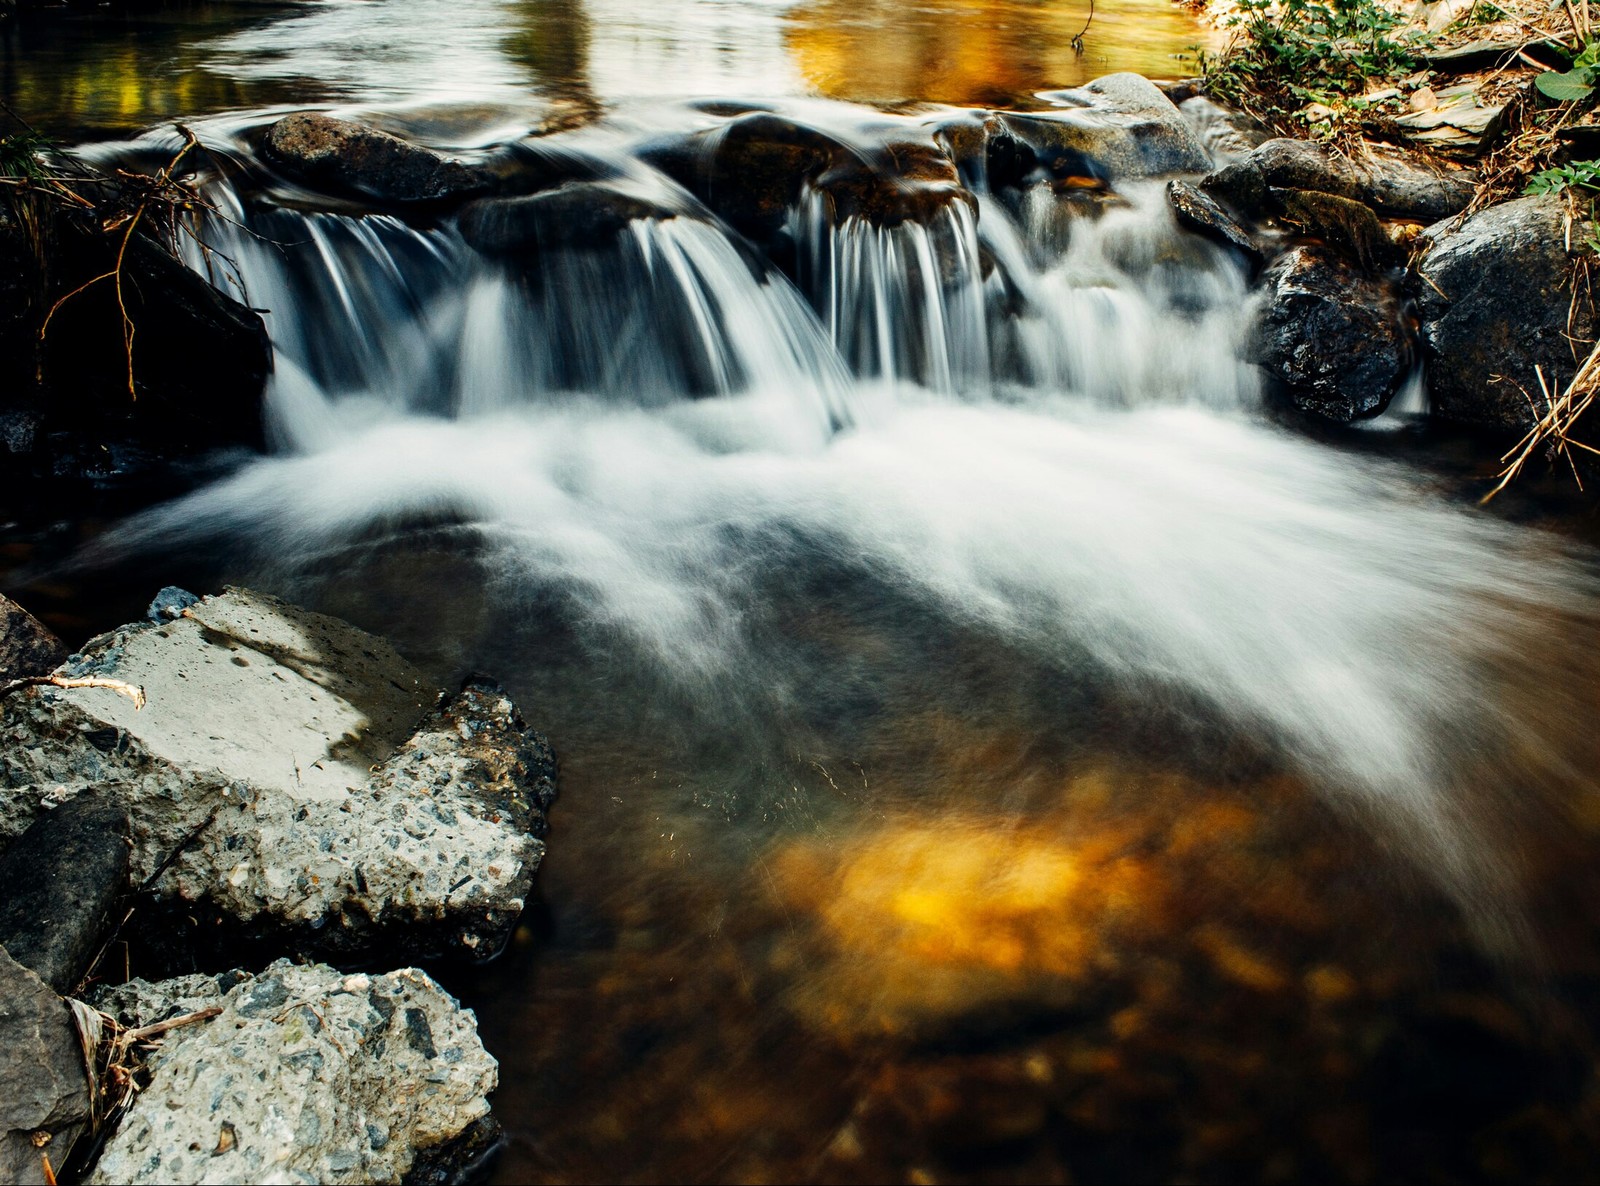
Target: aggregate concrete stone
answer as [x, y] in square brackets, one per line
[305, 782]
[306, 1075]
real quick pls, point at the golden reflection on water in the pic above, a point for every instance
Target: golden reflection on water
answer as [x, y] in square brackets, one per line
[984, 52]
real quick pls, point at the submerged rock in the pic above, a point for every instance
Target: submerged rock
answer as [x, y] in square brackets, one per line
[27, 646]
[580, 214]
[324, 151]
[60, 885]
[1497, 307]
[1331, 337]
[308, 785]
[306, 1075]
[44, 1105]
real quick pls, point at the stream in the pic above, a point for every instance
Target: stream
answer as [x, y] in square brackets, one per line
[992, 746]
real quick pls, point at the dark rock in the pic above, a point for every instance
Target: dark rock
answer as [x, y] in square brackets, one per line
[1194, 210]
[577, 215]
[1122, 125]
[1279, 164]
[346, 156]
[1495, 299]
[60, 885]
[750, 171]
[1389, 184]
[27, 647]
[898, 181]
[44, 1106]
[753, 171]
[1330, 336]
[1347, 226]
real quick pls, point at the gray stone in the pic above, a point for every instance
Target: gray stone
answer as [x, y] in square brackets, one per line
[280, 756]
[1389, 184]
[27, 647]
[1330, 336]
[44, 1105]
[307, 1075]
[1122, 124]
[337, 153]
[1495, 298]
[60, 886]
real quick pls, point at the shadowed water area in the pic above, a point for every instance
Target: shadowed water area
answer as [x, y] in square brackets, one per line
[991, 747]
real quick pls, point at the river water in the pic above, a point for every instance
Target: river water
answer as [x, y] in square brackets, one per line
[992, 747]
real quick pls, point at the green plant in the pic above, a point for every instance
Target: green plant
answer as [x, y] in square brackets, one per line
[1577, 81]
[1560, 178]
[22, 156]
[1318, 47]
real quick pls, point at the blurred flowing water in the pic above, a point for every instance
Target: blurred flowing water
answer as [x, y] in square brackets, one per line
[992, 747]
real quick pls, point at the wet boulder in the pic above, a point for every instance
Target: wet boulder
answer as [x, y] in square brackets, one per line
[1195, 211]
[750, 171]
[1348, 227]
[344, 156]
[309, 787]
[1331, 337]
[894, 182]
[27, 647]
[1497, 306]
[1390, 184]
[44, 1106]
[306, 1075]
[1119, 127]
[61, 884]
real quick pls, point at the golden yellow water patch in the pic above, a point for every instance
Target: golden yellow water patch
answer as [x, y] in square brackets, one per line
[922, 919]
[985, 52]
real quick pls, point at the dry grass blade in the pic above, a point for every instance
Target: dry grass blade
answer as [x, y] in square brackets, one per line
[1556, 421]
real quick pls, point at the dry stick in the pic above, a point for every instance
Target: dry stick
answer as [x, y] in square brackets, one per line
[162, 180]
[1077, 42]
[1555, 425]
[131, 691]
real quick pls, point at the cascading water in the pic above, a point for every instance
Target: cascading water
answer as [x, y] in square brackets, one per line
[1033, 422]
[937, 572]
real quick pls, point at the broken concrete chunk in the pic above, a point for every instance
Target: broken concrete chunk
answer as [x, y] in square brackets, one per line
[280, 757]
[307, 1075]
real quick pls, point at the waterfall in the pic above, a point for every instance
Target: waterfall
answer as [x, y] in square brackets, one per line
[1030, 420]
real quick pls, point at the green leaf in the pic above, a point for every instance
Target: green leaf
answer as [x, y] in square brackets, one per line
[1566, 88]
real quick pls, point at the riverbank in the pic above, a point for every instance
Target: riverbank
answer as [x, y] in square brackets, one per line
[1499, 97]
